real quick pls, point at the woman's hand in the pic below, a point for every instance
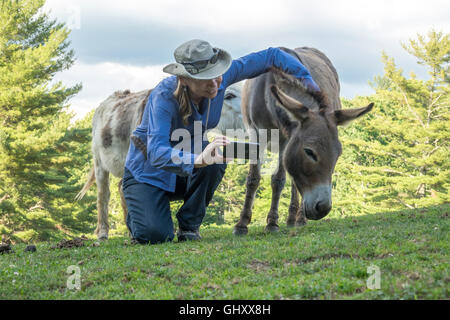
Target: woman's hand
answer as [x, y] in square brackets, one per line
[310, 85]
[212, 153]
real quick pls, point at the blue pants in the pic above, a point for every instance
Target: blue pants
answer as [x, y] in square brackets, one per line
[149, 218]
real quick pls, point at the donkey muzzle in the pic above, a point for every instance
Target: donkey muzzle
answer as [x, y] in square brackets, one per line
[317, 202]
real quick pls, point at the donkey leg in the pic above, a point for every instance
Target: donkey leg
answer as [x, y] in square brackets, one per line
[294, 207]
[277, 183]
[103, 195]
[301, 218]
[253, 178]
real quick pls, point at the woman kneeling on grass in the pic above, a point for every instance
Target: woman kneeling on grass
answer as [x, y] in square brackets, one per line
[156, 172]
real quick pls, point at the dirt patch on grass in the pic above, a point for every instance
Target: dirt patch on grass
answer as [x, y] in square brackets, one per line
[5, 248]
[339, 256]
[327, 257]
[74, 243]
[259, 266]
[211, 286]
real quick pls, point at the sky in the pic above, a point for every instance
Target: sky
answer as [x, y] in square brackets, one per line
[125, 44]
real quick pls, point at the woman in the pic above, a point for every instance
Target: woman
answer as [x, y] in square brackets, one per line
[156, 172]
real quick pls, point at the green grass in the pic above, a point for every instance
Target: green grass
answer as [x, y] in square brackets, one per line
[326, 259]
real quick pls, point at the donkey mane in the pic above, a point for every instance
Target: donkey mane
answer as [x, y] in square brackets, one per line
[319, 97]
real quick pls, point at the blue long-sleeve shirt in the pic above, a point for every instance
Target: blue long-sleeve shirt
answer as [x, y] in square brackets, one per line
[161, 118]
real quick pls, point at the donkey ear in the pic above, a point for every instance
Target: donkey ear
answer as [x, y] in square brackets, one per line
[296, 108]
[343, 117]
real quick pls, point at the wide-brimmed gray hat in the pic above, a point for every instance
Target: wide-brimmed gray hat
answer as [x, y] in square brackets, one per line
[197, 59]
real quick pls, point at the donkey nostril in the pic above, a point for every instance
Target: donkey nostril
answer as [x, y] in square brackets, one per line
[322, 206]
[317, 207]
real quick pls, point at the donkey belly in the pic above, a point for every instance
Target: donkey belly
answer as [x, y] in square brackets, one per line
[113, 158]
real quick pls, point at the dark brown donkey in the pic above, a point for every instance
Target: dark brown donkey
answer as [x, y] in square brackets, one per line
[308, 137]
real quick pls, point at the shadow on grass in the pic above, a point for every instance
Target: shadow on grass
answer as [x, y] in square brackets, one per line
[336, 224]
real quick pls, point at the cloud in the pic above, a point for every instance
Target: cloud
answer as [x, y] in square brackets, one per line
[146, 32]
[256, 15]
[103, 79]
[136, 34]
[350, 90]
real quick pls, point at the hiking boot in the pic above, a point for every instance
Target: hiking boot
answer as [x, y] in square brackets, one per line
[184, 235]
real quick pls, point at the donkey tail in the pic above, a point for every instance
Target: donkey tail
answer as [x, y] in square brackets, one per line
[90, 181]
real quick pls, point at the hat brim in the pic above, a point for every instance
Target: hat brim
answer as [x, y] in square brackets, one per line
[220, 67]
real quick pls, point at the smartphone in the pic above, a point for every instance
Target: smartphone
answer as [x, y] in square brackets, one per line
[242, 150]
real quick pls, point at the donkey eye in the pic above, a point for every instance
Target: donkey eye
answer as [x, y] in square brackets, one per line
[310, 154]
[229, 96]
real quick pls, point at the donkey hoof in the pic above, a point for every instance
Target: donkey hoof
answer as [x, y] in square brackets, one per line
[272, 228]
[290, 224]
[300, 223]
[240, 231]
[102, 236]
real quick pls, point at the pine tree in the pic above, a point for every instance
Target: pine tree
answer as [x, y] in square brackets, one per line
[397, 157]
[36, 140]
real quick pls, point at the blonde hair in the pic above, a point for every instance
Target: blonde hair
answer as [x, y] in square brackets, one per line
[184, 100]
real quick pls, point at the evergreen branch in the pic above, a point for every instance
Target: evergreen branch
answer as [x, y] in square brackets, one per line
[391, 154]
[405, 204]
[435, 101]
[410, 108]
[398, 172]
[430, 109]
[5, 197]
[37, 206]
[436, 148]
[441, 106]
[440, 115]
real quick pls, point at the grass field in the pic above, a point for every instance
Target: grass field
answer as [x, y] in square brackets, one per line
[326, 259]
